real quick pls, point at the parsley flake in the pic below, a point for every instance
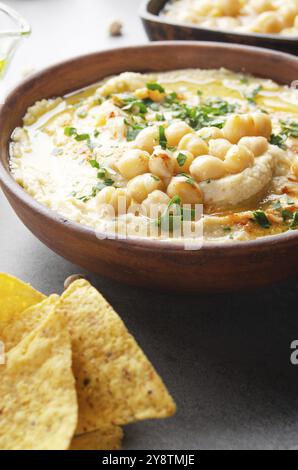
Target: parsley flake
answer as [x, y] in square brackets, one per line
[261, 218]
[181, 159]
[162, 137]
[155, 87]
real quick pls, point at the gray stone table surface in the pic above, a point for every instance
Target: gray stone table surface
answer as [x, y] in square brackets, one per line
[225, 358]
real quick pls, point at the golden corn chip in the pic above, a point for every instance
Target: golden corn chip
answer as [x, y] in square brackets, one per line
[38, 405]
[116, 383]
[16, 296]
[15, 327]
[108, 438]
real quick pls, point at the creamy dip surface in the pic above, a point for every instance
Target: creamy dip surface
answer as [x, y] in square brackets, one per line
[247, 16]
[138, 153]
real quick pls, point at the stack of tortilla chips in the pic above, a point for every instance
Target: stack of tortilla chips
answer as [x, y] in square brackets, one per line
[72, 373]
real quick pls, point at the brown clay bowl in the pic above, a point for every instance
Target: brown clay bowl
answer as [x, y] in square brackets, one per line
[160, 29]
[214, 268]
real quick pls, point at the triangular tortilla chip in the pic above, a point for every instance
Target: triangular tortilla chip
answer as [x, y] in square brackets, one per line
[16, 296]
[38, 404]
[109, 438]
[116, 383]
[18, 325]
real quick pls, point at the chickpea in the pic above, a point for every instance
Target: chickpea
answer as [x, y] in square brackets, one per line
[238, 126]
[288, 14]
[161, 163]
[176, 131]
[208, 133]
[147, 139]
[207, 167]
[142, 93]
[118, 198]
[262, 124]
[219, 148]
[259, 6]
[193, 144]
[142, 185]
[154, 95]
[115, 28]
[268, 23]
[183, 159]
[238, 159]
[187, 189]
[101, 119]
[155, 204]
[72, 278]
[203, 8]
[257, 145]
[229, 7]
[294, 167]
[134, 162]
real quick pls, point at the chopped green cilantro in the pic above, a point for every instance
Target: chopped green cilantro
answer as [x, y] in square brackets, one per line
[69, 131]
[134, 106]
[286, 215]
[171, 98]
[133, 130]
[108, 182]
[81, 137]
[175, 200]
[261, 218]
[278, 139]
[294, 223]
[175, 214]
[155, 87]
[189, 179]
[101, 173]
[162, 137]
[72, 132]
[94, 164]
[159, 117]
[252, 95]
[155, 178]
[290, 128]
[181, 159]
[210, 113]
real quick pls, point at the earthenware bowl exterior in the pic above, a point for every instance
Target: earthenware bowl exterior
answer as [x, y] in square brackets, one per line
[214, 268]
[161, 29]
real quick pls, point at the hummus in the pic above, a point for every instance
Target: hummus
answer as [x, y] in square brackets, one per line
[138, 153]
[246, 16]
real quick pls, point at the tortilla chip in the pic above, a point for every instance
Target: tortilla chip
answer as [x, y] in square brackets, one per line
[38, 405]
[16, 296]
[116, 384]
[109, 438]
[14, 328]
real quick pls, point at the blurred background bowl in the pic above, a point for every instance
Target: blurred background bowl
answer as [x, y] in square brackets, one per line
[159, 28]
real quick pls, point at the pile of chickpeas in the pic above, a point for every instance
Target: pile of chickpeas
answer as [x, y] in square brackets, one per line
[274, 17]
[259, 16]
[155, 175]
